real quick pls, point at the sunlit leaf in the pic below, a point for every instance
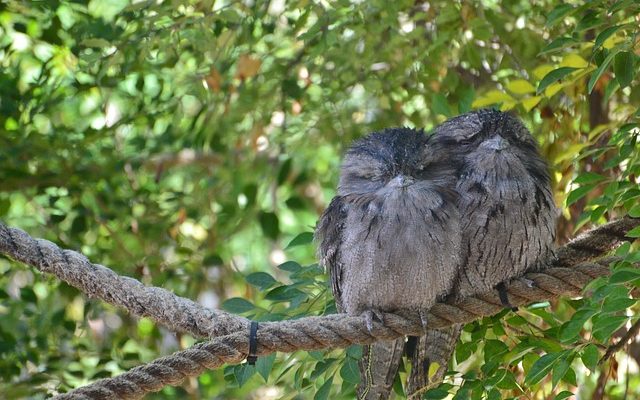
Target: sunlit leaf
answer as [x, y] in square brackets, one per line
[530, 102]
[520, 86]
[573, 60]
[491, 97]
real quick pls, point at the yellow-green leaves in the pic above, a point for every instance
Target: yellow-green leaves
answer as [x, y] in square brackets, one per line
[520, 86]
[492, 97]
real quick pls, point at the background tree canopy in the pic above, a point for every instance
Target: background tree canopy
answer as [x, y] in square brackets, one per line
[193, 144]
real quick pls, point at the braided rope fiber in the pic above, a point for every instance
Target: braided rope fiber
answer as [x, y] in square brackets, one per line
[565, 275]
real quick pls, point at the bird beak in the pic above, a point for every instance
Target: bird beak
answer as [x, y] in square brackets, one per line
[498, 143]
[401, 181]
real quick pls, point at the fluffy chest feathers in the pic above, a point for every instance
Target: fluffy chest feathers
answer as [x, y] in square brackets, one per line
[399, 248]
[508, 218]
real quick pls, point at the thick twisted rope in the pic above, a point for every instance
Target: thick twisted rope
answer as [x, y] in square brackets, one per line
[310, 333]
[332, 331]
[177, 313]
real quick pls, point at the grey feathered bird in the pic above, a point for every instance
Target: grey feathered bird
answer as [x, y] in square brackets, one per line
[390, 237]
[506, 208]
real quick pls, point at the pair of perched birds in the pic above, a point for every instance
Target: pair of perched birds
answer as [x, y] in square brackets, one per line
[419, 218]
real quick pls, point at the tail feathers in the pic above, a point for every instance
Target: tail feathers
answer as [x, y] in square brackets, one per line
[378, 368]
[437, 345]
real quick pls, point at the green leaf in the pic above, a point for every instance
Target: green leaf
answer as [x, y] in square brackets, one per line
[604, 35]
[439, 105]
[634, 233]
[261, 280]
[598, 73]
[559, 13]
[290, 266]
[436, 394]
[106, 9]
[623, 68]
[572, 328]
[558, 44]
[321, 367]
[542, 367]
[578, 193]
[354, 351]
[635, 211]
[624, 275]
[565, 394]
[590, 356]
[243, 373]
[588, 177]
[466, 99]
[559, 371]
[614, 305]
[264, 365]
[284, 172]
[349, 371]
[28, 295]
[494, 349]
[237, 305]
[605, 324]
[301, 239]
[590, 20]
[325, 390]
[553, 77]
[269, 224]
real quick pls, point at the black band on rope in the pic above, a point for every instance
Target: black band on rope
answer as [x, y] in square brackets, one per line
[253, 344]
[504, 297]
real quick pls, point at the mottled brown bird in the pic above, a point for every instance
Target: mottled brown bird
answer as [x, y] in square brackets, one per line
[390, 237]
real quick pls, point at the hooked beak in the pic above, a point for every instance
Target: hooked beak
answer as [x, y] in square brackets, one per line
[497, 143]
[401, 181]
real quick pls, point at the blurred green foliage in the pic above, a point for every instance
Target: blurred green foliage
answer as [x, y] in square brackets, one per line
[193, 144]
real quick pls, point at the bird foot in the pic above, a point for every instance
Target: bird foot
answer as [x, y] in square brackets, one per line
[370, 316]
[424, 318]
[528, 282]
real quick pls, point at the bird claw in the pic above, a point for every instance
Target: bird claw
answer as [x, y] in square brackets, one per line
[528, 282]
[424, 318]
